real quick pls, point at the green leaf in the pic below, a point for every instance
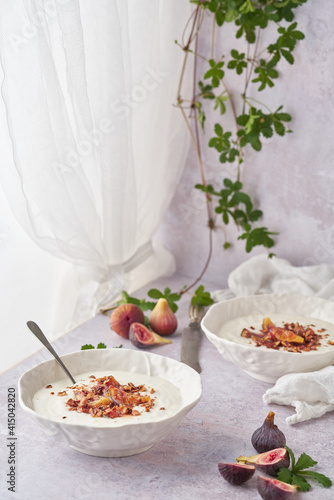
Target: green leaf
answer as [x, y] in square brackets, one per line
[87, 346]
[247, 7]
[321, 478]
[101, 345]
[201, 297]
[300, 481]
[126, 299]
[255, 215]
[154, 293]
[226, 245]
[146, 305]
[288, 56]
[220, 102]
[285, 475]
[304, 462]
[218, 130]
[292, 456]
[201, 118]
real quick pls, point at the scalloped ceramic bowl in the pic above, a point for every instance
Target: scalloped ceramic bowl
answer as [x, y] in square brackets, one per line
[224, 321]
[120, 436]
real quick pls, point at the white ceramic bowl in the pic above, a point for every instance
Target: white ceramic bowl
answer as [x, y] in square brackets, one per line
[224, 322]
[129, 435]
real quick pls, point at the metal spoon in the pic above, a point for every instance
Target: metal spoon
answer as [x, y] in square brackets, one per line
[40, 335]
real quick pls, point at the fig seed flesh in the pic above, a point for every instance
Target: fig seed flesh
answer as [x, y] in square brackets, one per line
[273, 489]
[236, 473]
[270, 461]
[142, 337]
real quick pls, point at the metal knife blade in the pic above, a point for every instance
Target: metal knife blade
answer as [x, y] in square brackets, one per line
[191, 338]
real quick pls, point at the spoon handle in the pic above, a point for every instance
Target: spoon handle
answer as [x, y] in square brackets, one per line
[42, 338]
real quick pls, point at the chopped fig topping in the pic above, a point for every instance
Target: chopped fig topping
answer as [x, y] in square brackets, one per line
[292, 337]
[106, 397]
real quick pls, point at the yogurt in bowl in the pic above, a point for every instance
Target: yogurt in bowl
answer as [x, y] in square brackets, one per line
[177, 388]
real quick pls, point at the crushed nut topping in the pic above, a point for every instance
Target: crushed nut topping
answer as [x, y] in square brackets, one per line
[106, 397]
[48, 387]
[62, 393]
[292, 337]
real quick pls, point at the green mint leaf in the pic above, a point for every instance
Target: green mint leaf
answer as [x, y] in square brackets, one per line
[101, 345]
[126, 299]
[285, 475]
[118, 346]
[292, 456]
[300, 481]
[201, 297]
[86, 347]
[321, 478]
[146, 305]
[154, 293]
[303, 462]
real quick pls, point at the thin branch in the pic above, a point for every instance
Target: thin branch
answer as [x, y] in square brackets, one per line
[204, 268]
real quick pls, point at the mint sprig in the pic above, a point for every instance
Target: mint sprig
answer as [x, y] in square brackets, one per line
[299, 469]
[101, 345]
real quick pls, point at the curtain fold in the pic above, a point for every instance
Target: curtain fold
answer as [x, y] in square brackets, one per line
[98, 146]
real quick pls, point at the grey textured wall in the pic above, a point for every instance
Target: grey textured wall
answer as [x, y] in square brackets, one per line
[291, 179]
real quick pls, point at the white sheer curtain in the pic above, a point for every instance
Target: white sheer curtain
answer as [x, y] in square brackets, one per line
[98, 146]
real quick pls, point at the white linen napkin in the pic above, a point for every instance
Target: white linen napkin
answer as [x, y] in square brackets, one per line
[312, 394]
[260, 274]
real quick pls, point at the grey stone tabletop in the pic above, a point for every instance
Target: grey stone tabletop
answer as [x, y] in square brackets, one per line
[183, 465]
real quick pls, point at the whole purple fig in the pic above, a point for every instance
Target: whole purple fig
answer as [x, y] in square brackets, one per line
[268, 436]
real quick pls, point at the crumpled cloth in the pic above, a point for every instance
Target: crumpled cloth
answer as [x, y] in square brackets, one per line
[263, 275]
[312, 394]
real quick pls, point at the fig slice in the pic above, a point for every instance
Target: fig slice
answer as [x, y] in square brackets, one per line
[285, 335]
[236, 473]
[268, 436]
[142, 337]
[273, 489]
[270, 461]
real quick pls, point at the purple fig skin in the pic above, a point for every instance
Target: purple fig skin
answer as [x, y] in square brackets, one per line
[236, 473]
[270, 461]
[142, 337]
[273, 489]
[123, 316]
[268, 436]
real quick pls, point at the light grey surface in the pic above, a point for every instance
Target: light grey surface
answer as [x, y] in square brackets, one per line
[183, 465]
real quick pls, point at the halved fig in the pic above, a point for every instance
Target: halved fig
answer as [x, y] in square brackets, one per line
[273, 489]
[236, 473]
[270, 461]
[142, 337]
